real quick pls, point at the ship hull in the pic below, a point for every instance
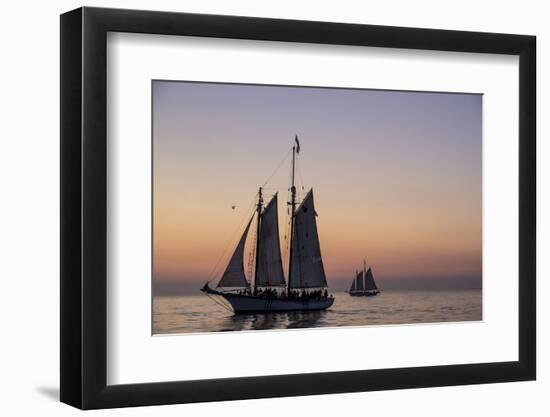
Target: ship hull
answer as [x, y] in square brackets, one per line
[364, 293]
[248, 304]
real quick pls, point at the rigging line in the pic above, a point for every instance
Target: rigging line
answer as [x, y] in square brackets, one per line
[287, 245]
[301, 178]
[278, 167]
[219, 303]
[288, 225]
[230, 241]
[252, 257]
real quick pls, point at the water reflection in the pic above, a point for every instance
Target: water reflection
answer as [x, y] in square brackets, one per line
[192, 314]
[267, 321]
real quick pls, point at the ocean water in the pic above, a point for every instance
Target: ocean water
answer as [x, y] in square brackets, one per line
[198, 313]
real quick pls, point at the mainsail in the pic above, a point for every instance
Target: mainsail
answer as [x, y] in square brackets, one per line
[270, 267]
[370, 285]
[306, 265]
[360, 283]
[234, 272]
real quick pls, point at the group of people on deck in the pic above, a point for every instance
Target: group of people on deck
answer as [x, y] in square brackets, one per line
[291, 295]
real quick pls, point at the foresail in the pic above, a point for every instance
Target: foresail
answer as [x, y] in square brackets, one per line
[270, 266]
[306, 266]
[369, 281]
[352, 285]
[234, 275]
[360, 282]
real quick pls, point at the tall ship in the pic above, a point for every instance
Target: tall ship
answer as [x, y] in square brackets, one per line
[305, 289]
[363, 285]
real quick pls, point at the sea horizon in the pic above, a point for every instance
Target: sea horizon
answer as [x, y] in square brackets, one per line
[198, 291]
[192, 287]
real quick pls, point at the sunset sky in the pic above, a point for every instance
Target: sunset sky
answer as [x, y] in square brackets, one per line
[396, 178]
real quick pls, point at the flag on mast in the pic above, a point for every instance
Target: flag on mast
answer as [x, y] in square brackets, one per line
[297, 144]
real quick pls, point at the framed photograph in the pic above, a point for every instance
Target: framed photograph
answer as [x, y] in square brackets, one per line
[259, 208]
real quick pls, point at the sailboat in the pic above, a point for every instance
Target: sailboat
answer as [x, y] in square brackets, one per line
[306, 288]
[363, 285]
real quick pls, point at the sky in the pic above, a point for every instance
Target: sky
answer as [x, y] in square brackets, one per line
[396, 178]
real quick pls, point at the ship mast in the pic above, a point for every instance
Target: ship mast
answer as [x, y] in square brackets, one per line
[364, 274]
[293, 209]
[259, 210]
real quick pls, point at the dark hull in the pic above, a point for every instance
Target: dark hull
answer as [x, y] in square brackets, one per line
[364, 293]
[248, 304]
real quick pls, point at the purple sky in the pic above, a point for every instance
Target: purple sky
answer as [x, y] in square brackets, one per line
[396, 176]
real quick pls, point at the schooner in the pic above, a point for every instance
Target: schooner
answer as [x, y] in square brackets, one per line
[363, 284]
[306, 288]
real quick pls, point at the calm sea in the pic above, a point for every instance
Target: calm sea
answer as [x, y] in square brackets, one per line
[197, 313]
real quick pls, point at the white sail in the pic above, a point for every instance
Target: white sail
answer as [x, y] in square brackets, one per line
[234, 275]
[360, 283]
[306, 266]
[270, 266]
[370, 285]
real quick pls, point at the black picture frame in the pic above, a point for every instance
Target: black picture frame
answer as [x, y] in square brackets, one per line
[84, 207]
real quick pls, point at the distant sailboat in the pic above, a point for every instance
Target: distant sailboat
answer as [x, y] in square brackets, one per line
[306, 288]
[363, 285]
